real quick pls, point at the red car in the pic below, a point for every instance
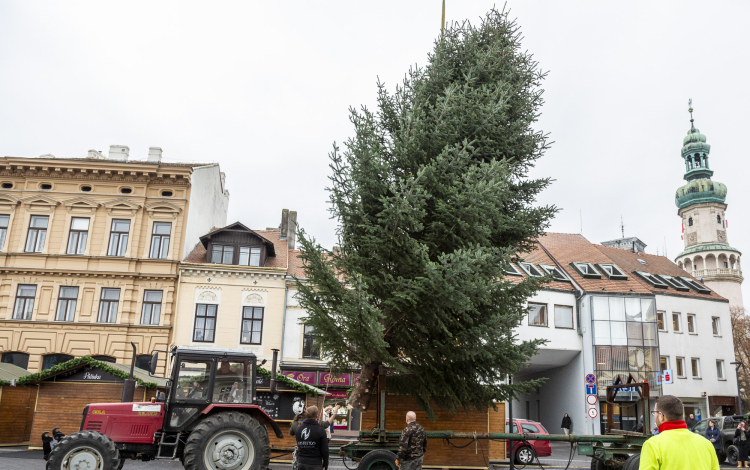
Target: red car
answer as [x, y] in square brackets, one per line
[523, 450]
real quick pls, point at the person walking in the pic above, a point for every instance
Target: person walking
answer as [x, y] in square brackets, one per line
[412, 445]
[742, 439]
[675, 447]
[312, 443]
[691, 422]
[566, 425]
[713, 434]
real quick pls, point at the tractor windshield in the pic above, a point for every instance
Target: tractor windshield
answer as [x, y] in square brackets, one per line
[233, 382]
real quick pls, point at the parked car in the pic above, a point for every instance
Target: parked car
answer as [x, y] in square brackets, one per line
[524, 451]
[727, 426]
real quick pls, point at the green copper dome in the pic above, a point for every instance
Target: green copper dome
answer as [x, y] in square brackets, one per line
[700, 190]
[694, 142]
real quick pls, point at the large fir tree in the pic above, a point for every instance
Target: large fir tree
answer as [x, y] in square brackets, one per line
[433, 201]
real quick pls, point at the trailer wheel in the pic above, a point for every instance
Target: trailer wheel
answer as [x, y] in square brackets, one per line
[380, 459]
[228, 441]
[633, 462]
[733, 455]
[597, 464]
[85, 449]
[525, 455]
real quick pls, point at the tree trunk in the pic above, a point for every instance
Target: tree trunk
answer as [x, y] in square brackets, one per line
[363, 388]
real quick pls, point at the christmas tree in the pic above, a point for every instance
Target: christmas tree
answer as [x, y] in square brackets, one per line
[433, 201]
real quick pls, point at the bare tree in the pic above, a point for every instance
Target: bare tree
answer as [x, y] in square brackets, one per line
[741, 338]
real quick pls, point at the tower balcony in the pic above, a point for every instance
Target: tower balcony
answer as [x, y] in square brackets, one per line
[718, 274]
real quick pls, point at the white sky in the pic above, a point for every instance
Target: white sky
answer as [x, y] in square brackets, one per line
[264, 88]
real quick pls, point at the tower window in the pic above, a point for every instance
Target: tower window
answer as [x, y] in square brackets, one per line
[690, 222]
[718, 219]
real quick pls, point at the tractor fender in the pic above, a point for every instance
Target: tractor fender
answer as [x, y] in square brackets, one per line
[254, 410]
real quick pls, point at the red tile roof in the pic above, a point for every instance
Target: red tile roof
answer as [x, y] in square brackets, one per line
[198, 255]
[295, 264]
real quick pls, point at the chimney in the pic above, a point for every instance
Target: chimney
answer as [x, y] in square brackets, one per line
[291, 235]
[154, 154]
[284, 223]
[95, 154]
[119, 152]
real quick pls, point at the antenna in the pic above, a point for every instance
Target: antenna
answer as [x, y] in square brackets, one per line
[442, 24]
[665, 246]
[580, 214]
[622, 227]
[690, 106]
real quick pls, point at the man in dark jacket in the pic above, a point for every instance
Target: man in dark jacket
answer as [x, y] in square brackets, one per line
[691, 422]
[312, 442]
[412, 445]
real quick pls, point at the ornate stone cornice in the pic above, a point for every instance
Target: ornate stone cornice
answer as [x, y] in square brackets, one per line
[83, 326]
[81, 204]
[92, 170]
[25, 271]
[277, 274]
[121, 206]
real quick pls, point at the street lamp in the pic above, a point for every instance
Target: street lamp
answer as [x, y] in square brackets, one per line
[737, 366]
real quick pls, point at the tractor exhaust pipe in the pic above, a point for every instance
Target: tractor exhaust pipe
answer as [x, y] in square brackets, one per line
[128, 388]
[273, 369]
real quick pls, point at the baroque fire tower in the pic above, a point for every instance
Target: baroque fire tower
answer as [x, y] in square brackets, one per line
[700, 204]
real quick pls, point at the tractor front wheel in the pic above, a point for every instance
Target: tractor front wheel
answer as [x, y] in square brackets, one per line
[228, 441]
[85, 449]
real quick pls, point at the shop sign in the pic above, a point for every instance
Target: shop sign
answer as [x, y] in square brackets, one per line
[87, 375]
[337, 380]
[307, 378]
[336, 394]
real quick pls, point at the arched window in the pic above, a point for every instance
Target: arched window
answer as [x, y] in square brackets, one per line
[718, 219]
[52, 360]
[17, 359]
[690, 222]
[105, 358]
[143, 362]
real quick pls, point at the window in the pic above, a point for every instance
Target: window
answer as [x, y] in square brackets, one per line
[690, 222]
[86, 189]
[222, 254]
[676, 323]
[310, 344]
[663, 363]
[17, 359]
[586, 270]
[651, 279]
[537, 314]
[118, 237]
[151, 307]
[52, 360]
[720, 370]
[695, 285]
[37, 233]
[3, 229]
[613, 272]
[680, 367]
[660, 321]
[45, 186]
[642, 262]
[530, 269]
[674, 282]
[143, 362]
[24, 302]
[563, 316]
[726, 265]
[252, 325]
[7, 185]
[166, 193]
[126, 190]
[160, 240]
[718, 219]
[556, 272]
[79, 232]
[716, 326]
[691, 324]
[695, 366]
[66, 304]
[512, 271]
[249, 256]
[105, 359]
[205, 323]
[108, 305]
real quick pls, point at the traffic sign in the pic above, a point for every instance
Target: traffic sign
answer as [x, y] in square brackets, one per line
[593, 413]
[590, 389]
[591, 399]
[590, 379]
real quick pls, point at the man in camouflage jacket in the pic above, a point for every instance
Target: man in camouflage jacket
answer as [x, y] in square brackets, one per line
[412, 445]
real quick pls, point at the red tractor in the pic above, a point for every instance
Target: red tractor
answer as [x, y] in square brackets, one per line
[208, 419]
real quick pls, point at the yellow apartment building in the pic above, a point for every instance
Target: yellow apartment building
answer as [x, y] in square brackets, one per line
[90, 249]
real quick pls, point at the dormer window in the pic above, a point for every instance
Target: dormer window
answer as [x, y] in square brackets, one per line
[222, 254]
[651, 279]
[237, 245]
[512, 271]
[249, 256]
[612, 272]
[556, 272]
[674, 282]
[586, 270]
[695, 286]
[530, 269]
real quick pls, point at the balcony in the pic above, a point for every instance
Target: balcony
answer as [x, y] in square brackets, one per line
[718, 274]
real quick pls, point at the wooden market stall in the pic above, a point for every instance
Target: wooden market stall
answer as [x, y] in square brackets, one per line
[64, 390]
[16, 406]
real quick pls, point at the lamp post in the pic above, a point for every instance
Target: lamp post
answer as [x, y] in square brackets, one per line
[737, 366]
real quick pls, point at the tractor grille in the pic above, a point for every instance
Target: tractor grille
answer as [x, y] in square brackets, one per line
[94, 426]
[139, 430]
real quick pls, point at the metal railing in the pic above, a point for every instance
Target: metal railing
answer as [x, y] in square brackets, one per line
[703, 273]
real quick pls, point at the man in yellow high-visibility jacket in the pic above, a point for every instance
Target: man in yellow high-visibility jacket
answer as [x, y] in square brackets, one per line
[676, 447]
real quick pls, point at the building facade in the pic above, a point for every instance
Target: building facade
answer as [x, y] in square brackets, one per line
[702, 207]
[615, 312]
[89, 253]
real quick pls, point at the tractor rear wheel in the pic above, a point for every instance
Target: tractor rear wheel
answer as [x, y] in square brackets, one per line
[85, 449]
[380, 459]
[228, 441]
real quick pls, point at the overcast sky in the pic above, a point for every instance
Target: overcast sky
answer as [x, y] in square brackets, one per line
[263, 88]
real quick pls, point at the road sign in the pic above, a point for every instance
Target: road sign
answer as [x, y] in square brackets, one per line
[590, 379]
[667, 376]
[593, 413]
[591, 399]
[590, 389]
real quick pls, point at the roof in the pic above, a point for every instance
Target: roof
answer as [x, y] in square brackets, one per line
[238, 227]
[296, 264]
[707, 247]
[107, 160]
[120, 371]
[198, 255]
[538, 256]
[10, 372]
[141, 374]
